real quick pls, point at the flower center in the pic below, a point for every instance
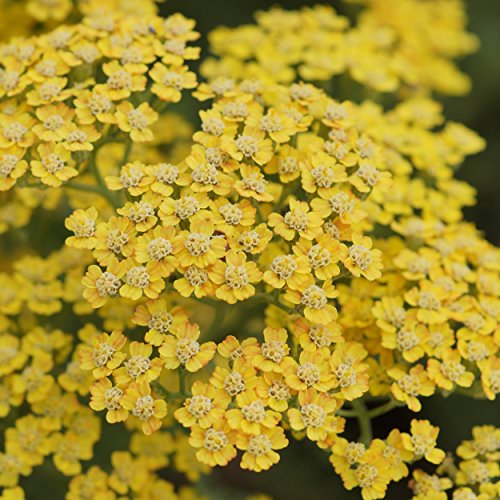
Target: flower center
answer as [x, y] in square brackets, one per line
[186, 349]
[137, 366]
[314, 297]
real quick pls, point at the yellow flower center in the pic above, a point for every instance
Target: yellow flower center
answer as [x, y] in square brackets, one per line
[288, 165]
[7, 164]
[232, 213]
[296, 220]
[120, 79]
[273, 350]
[428, 300]
[136, 366]
[354, 451]
[410, 384]
[314, 297]
[98, 104]
[137, 277]
[166, 173]
[406, 340]
[186, 349]
[270, 124]
[159, 248]
[236, 277]
[335, 111]
[213, 126]
[85, 228]
[235, 110]
[160, 321]
[205, 174]
[140, 212]
[107, 284]
[53, 163]
[309, 373]
[77, 136]
[284, 266]
[366, 474]
[249, 240]
[215, 156]
[15, 132]
[195, 276]
[199, 406]
[475, 322]
[369, 174]
[137, 119]
[102, 354]
[186, 207]
[214, 440]
[361, 256]
[247, 144]
[116, 240]
[47, 68]
[341, 203]
[452, 370]
[144, 408]
[320, 336]
[53, 122]
[197, 244]
[255, 182]
[279, 391]
[259, 445]
[346, 374]
[254, 412]
[313, 415]
[319, 256]
[324, 176]
[112, 398]
[131, 176]
[234, 383]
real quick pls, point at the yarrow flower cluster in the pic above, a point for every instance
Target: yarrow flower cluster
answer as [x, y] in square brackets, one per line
[295, 263]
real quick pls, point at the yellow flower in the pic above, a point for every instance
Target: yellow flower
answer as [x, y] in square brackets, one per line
[410, 384]
[199, 246]
[138, 367]
[136, 121]
[251, 144]
[314, 415]
[361, 260]
[141, 280]
[251, 416]
[205, 407]
[100, 285]
[312, 370]
[12, 167]
[170, 81]
[54, 166]
[215, 444]
[314, 298]
[259, 449]
[449, 371]
[106, 396]
[298, 220]
[120, 82]
[422, 441]
[139, 402]
[183, 348]
[159, 318]
[273, 351]
[235, 277]
[83, 225]
[105, 355]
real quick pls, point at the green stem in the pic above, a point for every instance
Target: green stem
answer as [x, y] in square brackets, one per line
[182, 381]
[365, 425]
[164, 393]
[103, 189]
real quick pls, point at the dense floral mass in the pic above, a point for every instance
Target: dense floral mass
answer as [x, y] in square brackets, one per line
[292, 266]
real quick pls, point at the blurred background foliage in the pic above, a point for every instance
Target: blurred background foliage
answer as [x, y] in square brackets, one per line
[304, 471]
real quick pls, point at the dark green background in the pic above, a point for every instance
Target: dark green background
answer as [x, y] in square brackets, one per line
[304, 472]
